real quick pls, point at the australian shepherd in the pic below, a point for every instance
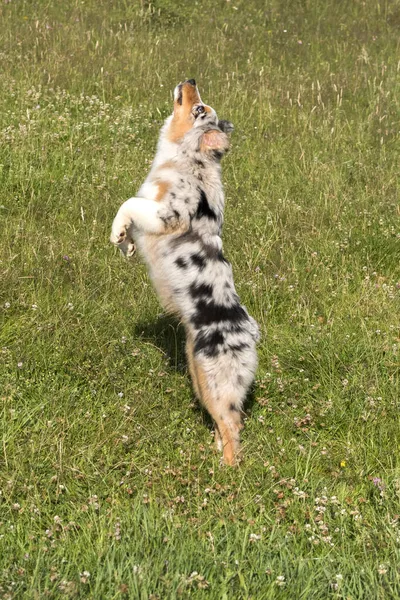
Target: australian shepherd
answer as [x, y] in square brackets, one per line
[175, 220]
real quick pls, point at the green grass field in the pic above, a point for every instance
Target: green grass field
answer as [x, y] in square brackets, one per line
[109, 483]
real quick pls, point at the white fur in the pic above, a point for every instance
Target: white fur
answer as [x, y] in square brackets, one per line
[141, 213]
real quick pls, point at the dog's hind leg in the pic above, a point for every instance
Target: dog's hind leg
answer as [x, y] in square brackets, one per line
[225, 409]
[193, 374]
[191, 365]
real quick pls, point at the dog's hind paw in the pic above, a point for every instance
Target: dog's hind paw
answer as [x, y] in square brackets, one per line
[128, 248]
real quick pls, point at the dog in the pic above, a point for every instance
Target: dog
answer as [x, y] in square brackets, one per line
[175, 221]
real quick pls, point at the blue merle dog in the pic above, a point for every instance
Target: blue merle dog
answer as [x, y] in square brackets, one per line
[175, 221]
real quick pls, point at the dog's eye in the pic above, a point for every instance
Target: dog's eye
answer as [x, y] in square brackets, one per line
[198, 110]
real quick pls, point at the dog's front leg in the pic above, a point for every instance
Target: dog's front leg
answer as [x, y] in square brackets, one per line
[141, 214]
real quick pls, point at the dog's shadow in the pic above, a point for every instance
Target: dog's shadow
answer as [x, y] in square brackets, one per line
[167, 334]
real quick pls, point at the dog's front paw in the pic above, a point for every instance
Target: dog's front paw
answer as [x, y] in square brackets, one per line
[119, 230]
[121, 237]
[118, 237]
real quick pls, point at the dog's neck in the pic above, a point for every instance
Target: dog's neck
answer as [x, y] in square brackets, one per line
[166, 150]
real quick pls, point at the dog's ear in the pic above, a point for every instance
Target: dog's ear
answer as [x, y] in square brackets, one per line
[214, 140]
[225, 126]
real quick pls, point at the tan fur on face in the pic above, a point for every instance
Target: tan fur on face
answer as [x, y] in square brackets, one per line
[183, 118]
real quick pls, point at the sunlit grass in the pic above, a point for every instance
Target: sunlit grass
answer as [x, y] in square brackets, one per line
[109, 483]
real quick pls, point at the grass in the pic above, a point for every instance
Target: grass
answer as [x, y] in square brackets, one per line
[110, 487]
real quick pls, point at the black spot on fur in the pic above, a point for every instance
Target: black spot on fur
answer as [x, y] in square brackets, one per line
[213, 253]
[221, 258]
[211, 312]
[171, 218]
[241, 327]
[217, 154]
[238, 347]
[198, 260]
[187, 237]
[201, 289]
[199, 163]
[209, 251]
[233, 407]
[181, 263]
[204, 209]
[207, 343]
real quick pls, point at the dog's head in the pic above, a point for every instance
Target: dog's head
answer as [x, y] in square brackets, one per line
[190, 111]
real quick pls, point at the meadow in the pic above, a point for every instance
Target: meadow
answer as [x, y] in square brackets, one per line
[110, 486]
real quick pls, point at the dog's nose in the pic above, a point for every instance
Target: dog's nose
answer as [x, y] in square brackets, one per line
[191, 81]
